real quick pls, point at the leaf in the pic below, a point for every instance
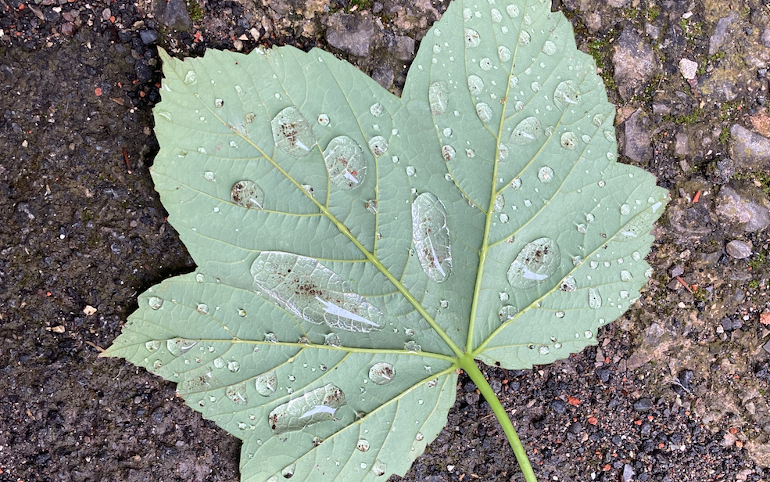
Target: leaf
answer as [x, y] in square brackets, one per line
[355, 249]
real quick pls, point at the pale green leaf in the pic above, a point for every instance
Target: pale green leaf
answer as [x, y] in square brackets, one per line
[354, 247]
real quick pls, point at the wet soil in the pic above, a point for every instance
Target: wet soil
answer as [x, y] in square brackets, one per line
[675, 391]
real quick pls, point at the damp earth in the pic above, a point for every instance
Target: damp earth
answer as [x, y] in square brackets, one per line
[676, 389]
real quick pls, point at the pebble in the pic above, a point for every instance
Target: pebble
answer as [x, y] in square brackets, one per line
[738, 249]
[721, 32]
[575, 427]
[634, 63]
[749, 150]
[744, 206]
[643, 404]
[688, 68]
[628, 473]
[637, 145]
[559, 406]
[148, 36]
[350, 33]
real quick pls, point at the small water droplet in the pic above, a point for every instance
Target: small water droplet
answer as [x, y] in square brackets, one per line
[566, 93]
[526, 131]
[503, 53]
[378, 468]
[636, 256]
[203, 308]
[203, 150]
[155, 302]
[376, 109]
[247, 194]
[516, 183]
[362, 445]
[502, 152]
[485, 64]
[598, 120]
[568, 284]
[590, 218]
[543, 350]
[569, 140]
[153, 345]
[409, 332]
[448, 152]
[190, 77]
[549, 48]
[513, 10]
[625, 209]
[323, 119]
[536, 86]
[292, 132]
[472, 39]
[271, 338]
[475, 84]
[507, 312]
[345, 163]
[412, 346]
[624, 294]
[219, 362]
[559, 314]
[588, 334]
[410, 171]
[419, 437]
[537, 261]
[504, 218]
[545, 174]
[524, 38]
[179, 346]
[378, 145]
[601, 183]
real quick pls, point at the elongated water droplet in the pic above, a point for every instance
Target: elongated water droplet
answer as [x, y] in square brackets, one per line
[378, 145]
[165, 114]
[438, 97]
[431, 237]
[247, 194]
[315, 406]
[537, 261]
[266, 383]
[382, 373]
[526, 131]
[545, 174]
[484, 112]
[566, 93]
[569, 140]
[312, 292]
[155, 302]
[475, 84]
[292, 132]
[412, 346]
[345, 163]
[499, 203]
[594, 299]
[472, 38]
[378, 468]
[507, 312]
[288, 471]
[179, 346]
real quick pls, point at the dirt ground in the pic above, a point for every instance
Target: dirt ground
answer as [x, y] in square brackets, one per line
[675, 391]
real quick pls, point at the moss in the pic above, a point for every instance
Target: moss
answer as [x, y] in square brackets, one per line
[753, 284]
[597, 48]
[724, 136]
[684, 119]
[691, 30]
[353, 5]
[194, 10]
[763, 178]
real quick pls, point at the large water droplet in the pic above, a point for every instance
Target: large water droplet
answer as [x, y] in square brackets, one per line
[155, 302]
[438, 97]
[382, 373]
[535, 263]
[312, 292]
[526, 131]
[378, 468]
[315, 406]
[472, 38]
[179, 346]
[566, 93]
[545, 174]
[345, 163]
[484, 112]
[507, 312]
[475, 84]
[292, 132]
[431, 236]
[247, 194]
[569, 140]
[594, 299]
[266, 383]
[378, 145]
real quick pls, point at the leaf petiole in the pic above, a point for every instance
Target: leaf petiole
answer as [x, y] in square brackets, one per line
[468, 364]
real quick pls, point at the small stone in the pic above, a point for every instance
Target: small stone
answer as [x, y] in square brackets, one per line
[575, 427]
[766, 347]
[383, 75]
[68, 29]
[750, 151]
[559, 406]
[173, 14]
[403, 48]
[351, 33]
[738, 249]
[682, 146]
[643, 404]
[634, 63]
[764, 318]
[745, 207]
[148, 36]
[628, 473]
[766, 37]
[721, 32]
[688, 68]
[89, 310]
[637, 144]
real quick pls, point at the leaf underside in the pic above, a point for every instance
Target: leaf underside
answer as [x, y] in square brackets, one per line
[352, 246]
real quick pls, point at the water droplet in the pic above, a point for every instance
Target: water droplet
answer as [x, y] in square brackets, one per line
[484, 112]
[598, 120]
[203, 308]
[513, 10]
[382, 373]
[624, 294]
[569, 140]
[504, 218]
[594, 299]
[249, 117]
[371, 206]
[345, 163]
[190, 77]
[378, 468]
[503, 53]
[315, 406]
[219, 362]
[636, 256]
[590, 218]
[537, 261]
[233, 366]
[155, 302]
[378, 145]
[472, 38]
[288, 471]
[247, 194]
[545, 174]
[203, 150]
[266, 383]
[503, 296]
[165, 114]
[419, 437]
[625, 209]
[438, 97]
[153, 345]
[412, 346]
[549, 48]
[431, 237]
[568, 284]
[292, 132]
[543, 350]
[323, 119]
[585, 138]
[566, 93]
[362, 445]
[447, 132]
[409, 332]
[526, 131]
[410, 171]
[516, 183]
[559, 314]
[475, 84]
[536, 86]
[507, 312]
[524, 38]
[485, 64]
[467, 14]
[588, 334]
[179, 346]
[448, 152]
[601, 183]
[527, 203]
[312, 292]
